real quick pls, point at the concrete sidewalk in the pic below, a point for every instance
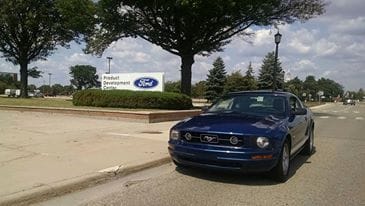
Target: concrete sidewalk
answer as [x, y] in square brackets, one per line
[44, 154]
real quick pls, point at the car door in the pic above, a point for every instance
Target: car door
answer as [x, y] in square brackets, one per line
[297, 124]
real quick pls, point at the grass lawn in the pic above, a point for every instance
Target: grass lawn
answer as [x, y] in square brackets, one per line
[40, 102]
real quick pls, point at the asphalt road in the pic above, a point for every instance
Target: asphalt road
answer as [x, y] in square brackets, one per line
[333, 175]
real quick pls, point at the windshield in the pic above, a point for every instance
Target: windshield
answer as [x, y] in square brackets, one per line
[254, 104]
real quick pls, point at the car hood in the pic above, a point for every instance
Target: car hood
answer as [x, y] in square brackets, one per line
[233, 124]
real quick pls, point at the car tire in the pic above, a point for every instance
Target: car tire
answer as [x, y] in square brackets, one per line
[280, 172]
[309, 144]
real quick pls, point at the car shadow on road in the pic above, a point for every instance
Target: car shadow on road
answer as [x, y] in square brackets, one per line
[252, 179]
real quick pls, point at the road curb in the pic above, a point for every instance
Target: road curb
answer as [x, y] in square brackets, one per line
[62, 187]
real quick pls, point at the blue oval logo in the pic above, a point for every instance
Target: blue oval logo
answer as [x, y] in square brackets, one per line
[146, 82]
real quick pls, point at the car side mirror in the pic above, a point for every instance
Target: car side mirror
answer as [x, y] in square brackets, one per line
[299, 111]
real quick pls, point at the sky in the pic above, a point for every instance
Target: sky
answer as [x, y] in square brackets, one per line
[330, 46]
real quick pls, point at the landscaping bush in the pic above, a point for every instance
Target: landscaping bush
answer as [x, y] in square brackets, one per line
[131, 99]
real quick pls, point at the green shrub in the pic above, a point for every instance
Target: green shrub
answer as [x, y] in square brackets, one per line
[131, 99]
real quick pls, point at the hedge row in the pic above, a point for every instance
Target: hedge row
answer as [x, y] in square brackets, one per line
[131, 99]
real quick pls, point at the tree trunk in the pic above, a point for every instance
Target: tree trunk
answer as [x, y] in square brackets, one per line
[24, 79]
[186, 63]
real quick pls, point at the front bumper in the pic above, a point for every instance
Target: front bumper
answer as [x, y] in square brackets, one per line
[223, 158]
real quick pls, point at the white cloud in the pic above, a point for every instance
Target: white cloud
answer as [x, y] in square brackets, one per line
[331, 46]
[325, 48]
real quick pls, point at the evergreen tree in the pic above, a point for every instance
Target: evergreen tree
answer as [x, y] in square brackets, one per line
[250, 80]
[216, 80]
[265, 80]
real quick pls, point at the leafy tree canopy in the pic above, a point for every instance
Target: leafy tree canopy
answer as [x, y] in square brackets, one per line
[235, 82]
[84, 77]
[198, 89]
[171, 86]
[31, 30]
[189, 27]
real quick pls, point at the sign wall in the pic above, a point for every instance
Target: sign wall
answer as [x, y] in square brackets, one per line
[133, 81]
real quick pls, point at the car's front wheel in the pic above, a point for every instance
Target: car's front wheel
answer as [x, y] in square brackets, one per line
[281, 171]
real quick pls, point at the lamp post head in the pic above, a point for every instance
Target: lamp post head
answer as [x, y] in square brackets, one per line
[110, 58]
[277, 38]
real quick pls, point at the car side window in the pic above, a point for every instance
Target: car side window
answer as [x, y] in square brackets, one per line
[295, 103]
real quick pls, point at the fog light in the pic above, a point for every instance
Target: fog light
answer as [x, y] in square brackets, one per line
[262, 142]
[188, 136]
[234, 140]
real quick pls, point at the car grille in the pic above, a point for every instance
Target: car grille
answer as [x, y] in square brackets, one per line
[218, 139]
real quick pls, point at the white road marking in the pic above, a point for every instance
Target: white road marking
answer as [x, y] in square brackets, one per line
[335, 111]
[341, 117]
[359, 118]
[324, 117]
[356, 112]
[118, 134]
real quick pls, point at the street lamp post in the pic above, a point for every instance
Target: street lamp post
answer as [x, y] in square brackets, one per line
[109, 59]
[277, 41]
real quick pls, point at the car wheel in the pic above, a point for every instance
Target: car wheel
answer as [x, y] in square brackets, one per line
[309, 144]
[281, 171]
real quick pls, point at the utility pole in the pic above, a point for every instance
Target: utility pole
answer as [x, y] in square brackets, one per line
[109, 59]
[49, 80]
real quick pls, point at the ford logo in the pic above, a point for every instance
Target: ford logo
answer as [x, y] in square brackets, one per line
[146, 82]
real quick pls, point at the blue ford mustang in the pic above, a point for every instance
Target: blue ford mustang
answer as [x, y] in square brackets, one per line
[253, 131]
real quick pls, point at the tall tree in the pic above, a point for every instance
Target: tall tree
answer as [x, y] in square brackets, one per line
[234, 82]
[68, 90]
[31, 30]
[57, 89]
[295, 86]
[215, 81]
[190, 27]
[198, 89]
[250, 80]
[329, 87]
[360, 94]
[266, 76]
[84, 77]
[310, 86]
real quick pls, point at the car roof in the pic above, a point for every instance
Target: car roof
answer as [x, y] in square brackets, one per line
[281, 93]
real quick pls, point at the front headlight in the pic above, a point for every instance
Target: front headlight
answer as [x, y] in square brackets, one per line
[174, 134]
[262, 142]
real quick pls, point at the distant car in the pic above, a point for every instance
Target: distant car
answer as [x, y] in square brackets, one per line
[254, 131]
[349, 101]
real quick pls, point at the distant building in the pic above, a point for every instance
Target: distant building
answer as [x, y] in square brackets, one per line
[13, 75]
